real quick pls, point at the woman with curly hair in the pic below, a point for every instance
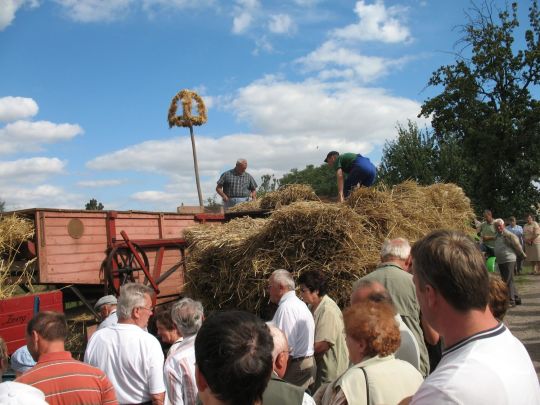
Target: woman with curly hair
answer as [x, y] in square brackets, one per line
[498, 297]
[376, 376]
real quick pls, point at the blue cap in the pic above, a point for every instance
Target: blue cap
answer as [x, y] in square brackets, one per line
[21, 360]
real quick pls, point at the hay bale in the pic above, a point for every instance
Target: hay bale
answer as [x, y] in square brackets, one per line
[288, 194]
[246, 206]
[412, 211]
[14, 231]
[228, 266]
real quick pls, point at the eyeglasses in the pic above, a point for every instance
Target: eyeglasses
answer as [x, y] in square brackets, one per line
[151, 309]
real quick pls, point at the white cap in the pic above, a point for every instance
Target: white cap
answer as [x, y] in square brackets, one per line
[108, 299]
[21, 360]
[14, 393]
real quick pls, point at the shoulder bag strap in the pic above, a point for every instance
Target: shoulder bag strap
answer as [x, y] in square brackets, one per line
[367, 385]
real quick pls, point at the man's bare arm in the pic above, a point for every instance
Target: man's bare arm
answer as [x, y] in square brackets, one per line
[158, 399]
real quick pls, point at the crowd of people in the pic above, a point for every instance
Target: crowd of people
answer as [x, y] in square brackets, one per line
[425, 327]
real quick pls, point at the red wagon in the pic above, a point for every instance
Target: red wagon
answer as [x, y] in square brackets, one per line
[94, 252]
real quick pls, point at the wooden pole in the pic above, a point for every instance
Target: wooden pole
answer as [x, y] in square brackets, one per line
[196, 166]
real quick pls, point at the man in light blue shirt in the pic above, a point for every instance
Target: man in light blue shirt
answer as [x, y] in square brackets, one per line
[518, 231]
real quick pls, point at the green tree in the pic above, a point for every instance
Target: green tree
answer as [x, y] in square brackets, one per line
[412, 155]
[94, 205]
[322, 179]
[268, 183]
[212, 203]
[487, 109]
[2, 206]
[420, 156]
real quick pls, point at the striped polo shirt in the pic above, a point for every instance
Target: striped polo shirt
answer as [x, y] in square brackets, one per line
[66, 381]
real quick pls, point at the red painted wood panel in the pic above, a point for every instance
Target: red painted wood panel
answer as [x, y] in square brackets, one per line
[15, 313]
[66, 260]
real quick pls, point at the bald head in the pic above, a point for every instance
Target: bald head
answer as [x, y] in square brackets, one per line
[280, 354]
[367, 290]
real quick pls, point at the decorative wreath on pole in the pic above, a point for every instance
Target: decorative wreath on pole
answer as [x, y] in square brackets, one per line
[187, 119]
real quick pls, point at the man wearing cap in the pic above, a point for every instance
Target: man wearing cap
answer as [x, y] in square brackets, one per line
[22, 361]
[358, 168]
[106, 307]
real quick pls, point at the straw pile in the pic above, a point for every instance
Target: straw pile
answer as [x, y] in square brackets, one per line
[14, 231]
[285, 195]
[252, 205]
[411, 211]
[228, 266]
[288, 194]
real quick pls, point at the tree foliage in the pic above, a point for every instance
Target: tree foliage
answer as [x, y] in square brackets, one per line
[268, 183]
[94, 205]
[486, 109]
[420, 156]
[2, 206]
[321, 178]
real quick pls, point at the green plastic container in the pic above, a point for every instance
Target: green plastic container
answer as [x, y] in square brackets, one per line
[490, 264]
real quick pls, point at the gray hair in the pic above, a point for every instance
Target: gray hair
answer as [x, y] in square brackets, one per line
[131, 297]
[284, 278]
[362, 283]
[187, 315]
[498, 221]
[398, 248]
[280, 340]
[241, 161]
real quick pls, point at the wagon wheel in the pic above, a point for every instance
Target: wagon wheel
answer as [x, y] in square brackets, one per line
[120, 267]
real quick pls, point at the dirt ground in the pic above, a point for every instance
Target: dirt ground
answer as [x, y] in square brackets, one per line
[524, 320]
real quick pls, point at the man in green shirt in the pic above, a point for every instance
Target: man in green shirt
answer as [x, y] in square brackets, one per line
[358, 168]
[488, 234]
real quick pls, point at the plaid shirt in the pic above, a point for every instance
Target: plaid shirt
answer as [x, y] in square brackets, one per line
[237, 185]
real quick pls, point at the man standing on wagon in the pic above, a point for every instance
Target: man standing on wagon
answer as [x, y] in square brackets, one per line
[236, 185]
[358, 168]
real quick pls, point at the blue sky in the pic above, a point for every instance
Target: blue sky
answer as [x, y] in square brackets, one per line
[85, 87]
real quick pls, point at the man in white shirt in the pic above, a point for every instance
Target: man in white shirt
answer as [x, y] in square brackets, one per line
[482, 362]
[367, 290]
[106, 307]
[295, 320]
[131, 357]
[179, 370]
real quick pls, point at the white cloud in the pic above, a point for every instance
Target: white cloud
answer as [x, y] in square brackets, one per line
[96, 10]
[281, 24]
[244, 15]
[262, 44]
[28, 136]
[155, 196]
[242, 22]
[314, 108]
[334, 60]
[376, 23]
[8, 9]
[30, 170]
[177, 4]
[99, 183]
[45, 195]
[16, 108]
